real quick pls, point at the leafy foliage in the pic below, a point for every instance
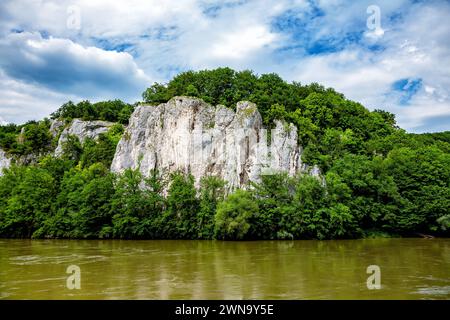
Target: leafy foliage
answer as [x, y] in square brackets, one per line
[234, 215]
[101, 150]
[113, 111]
[212, 192]
[377, 179]
[32, 137]
[312, 108]
[137, 210]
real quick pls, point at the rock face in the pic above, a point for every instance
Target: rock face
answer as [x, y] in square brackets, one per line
[189, 135]
[82, 130]
[78, 128]
[5, 161]
[55, 127]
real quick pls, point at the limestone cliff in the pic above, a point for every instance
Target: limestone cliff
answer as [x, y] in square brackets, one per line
[5, 161]
[190, 135]
[56, 127]
[81, 129]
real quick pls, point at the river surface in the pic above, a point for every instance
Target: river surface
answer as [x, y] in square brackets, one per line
[110, 269]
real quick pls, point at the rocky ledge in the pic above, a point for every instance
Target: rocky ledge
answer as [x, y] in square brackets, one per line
[186, 134]
[81, 129]
[5, 161]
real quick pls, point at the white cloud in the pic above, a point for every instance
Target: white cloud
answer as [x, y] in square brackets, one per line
[242, 42]
[418, 48]
[40, 74]
[99, 18]
[165, 37]
[20, 101]
[65, 66]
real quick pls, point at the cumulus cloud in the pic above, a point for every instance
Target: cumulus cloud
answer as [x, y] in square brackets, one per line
[21, 101]
[99, 18]
[234, 33]
[414, 50]
[241, 43]
[67, 67]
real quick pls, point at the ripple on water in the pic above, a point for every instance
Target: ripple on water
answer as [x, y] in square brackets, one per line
[24, 258]
[35, 280]
[222, 270]
[36, 259]
[434, 291]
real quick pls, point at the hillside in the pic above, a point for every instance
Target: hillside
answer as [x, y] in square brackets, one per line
[375, 178]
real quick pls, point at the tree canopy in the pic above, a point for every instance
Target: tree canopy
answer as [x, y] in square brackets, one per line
[113, 111]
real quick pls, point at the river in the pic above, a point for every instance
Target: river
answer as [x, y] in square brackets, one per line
[114, 269]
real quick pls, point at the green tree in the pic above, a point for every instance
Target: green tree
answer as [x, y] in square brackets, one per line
[180, 219]
[84, 203]
[234, 214]
[212, 191]
[72, 149]
[28, 202]
[274, 197]
[422, 177]
[112, 110]
[137, 209]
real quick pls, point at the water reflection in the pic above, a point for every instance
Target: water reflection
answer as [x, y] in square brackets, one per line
[410, 269]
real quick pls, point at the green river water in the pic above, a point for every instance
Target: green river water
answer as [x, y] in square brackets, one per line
[113, 269]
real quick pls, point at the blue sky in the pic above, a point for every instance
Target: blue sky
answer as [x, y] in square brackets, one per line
[53, 51]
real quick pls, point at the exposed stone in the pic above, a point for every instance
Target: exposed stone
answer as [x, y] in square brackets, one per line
[194, 137]
[5, 161]
[82, 130]
[56, 126]
[284, 148]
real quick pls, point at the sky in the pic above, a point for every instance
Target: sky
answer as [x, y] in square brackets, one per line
[392, 55]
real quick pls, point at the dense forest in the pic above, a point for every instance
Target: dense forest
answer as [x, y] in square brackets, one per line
[377, 179]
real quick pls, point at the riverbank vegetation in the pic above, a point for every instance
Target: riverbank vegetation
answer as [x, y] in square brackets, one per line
[377, 179]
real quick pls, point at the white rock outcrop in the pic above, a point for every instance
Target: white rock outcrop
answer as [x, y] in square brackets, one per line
[82, 130]
[5, 161]
[56, 126]
[194, 137]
